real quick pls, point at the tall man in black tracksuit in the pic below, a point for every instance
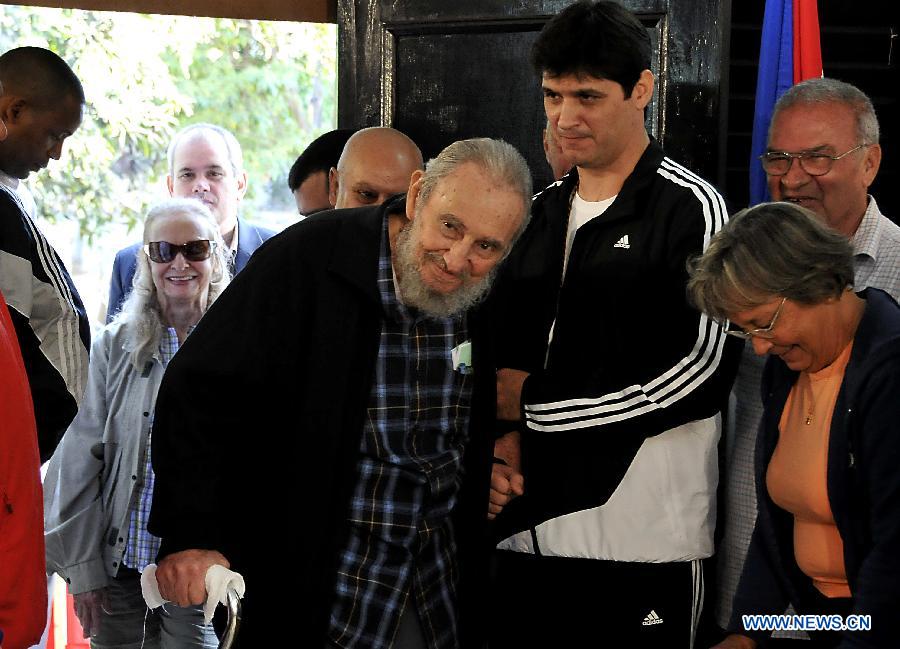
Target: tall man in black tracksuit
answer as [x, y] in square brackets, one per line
[610, 385]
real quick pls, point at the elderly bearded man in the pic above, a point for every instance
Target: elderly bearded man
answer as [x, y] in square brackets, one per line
[352, 365]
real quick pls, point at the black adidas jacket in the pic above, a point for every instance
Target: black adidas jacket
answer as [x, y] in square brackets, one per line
[46, 310]
[630, 358]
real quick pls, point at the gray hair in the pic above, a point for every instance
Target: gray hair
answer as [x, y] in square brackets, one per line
[235, 154]
[500, 161]
[832, 91]
[141, 311]
[771, 249]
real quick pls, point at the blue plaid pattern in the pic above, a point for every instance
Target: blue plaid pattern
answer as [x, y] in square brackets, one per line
[401, 540]
[141, 547]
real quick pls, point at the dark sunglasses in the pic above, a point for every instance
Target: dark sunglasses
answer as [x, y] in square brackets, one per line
[162, 252]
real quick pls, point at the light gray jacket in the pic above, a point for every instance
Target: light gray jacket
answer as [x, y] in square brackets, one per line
[94, 472]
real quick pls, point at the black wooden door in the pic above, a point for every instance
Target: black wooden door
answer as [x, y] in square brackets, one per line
[443, 70]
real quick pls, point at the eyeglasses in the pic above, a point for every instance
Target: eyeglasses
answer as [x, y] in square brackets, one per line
[764, 332]
[162, 252]
[778, 163]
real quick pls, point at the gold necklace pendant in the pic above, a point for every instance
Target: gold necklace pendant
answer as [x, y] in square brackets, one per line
[809, 398]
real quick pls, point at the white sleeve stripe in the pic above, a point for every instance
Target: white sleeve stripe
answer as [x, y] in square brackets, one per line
[711, 191]
[555, 183]
[670, 164]
[626, 396]
[640, 407]
[68, 359]
[594, 421]
[68, 337]
[49, 265]
[689, 179]
[631, 402]
[711, 212]
[687, 374]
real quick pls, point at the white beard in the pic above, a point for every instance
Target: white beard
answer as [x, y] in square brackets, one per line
[414, 292]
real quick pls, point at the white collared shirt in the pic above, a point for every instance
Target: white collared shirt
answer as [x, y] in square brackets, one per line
[876, 247]
[22, 191]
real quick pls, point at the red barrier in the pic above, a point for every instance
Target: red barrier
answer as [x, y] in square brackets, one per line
[74, 633]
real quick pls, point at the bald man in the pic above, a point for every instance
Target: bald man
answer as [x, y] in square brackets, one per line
[376, 163]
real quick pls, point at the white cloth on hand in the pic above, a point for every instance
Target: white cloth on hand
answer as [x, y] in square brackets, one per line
[218, 580]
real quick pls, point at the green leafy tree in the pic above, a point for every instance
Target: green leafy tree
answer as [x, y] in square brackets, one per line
[270, 83]
[145, 77]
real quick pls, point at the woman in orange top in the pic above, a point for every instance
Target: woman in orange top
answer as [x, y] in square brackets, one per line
[827, 535]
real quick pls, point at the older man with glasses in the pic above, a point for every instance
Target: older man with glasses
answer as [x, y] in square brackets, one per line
[823, 153]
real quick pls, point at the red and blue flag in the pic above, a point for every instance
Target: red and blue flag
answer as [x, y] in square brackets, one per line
[789, 52]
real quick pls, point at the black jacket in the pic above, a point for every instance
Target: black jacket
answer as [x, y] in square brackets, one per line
[863, 484]
[259, 420]
[51, 325]
[630, 358]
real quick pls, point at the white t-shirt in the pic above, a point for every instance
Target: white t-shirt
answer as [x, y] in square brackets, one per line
[582, 211]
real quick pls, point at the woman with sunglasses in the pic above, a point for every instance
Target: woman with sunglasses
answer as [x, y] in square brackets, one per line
[99, 483]
[827, 534]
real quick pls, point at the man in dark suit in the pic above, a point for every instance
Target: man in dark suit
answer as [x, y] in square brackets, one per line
[206, 163]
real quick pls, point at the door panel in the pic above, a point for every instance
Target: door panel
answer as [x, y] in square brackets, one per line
[442, 71]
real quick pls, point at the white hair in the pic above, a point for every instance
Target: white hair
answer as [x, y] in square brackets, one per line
[823, 91]
[141, 313]
[498, 160]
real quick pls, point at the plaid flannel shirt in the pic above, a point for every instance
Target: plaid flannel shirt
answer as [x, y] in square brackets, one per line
[141, 547]
[401, 538]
